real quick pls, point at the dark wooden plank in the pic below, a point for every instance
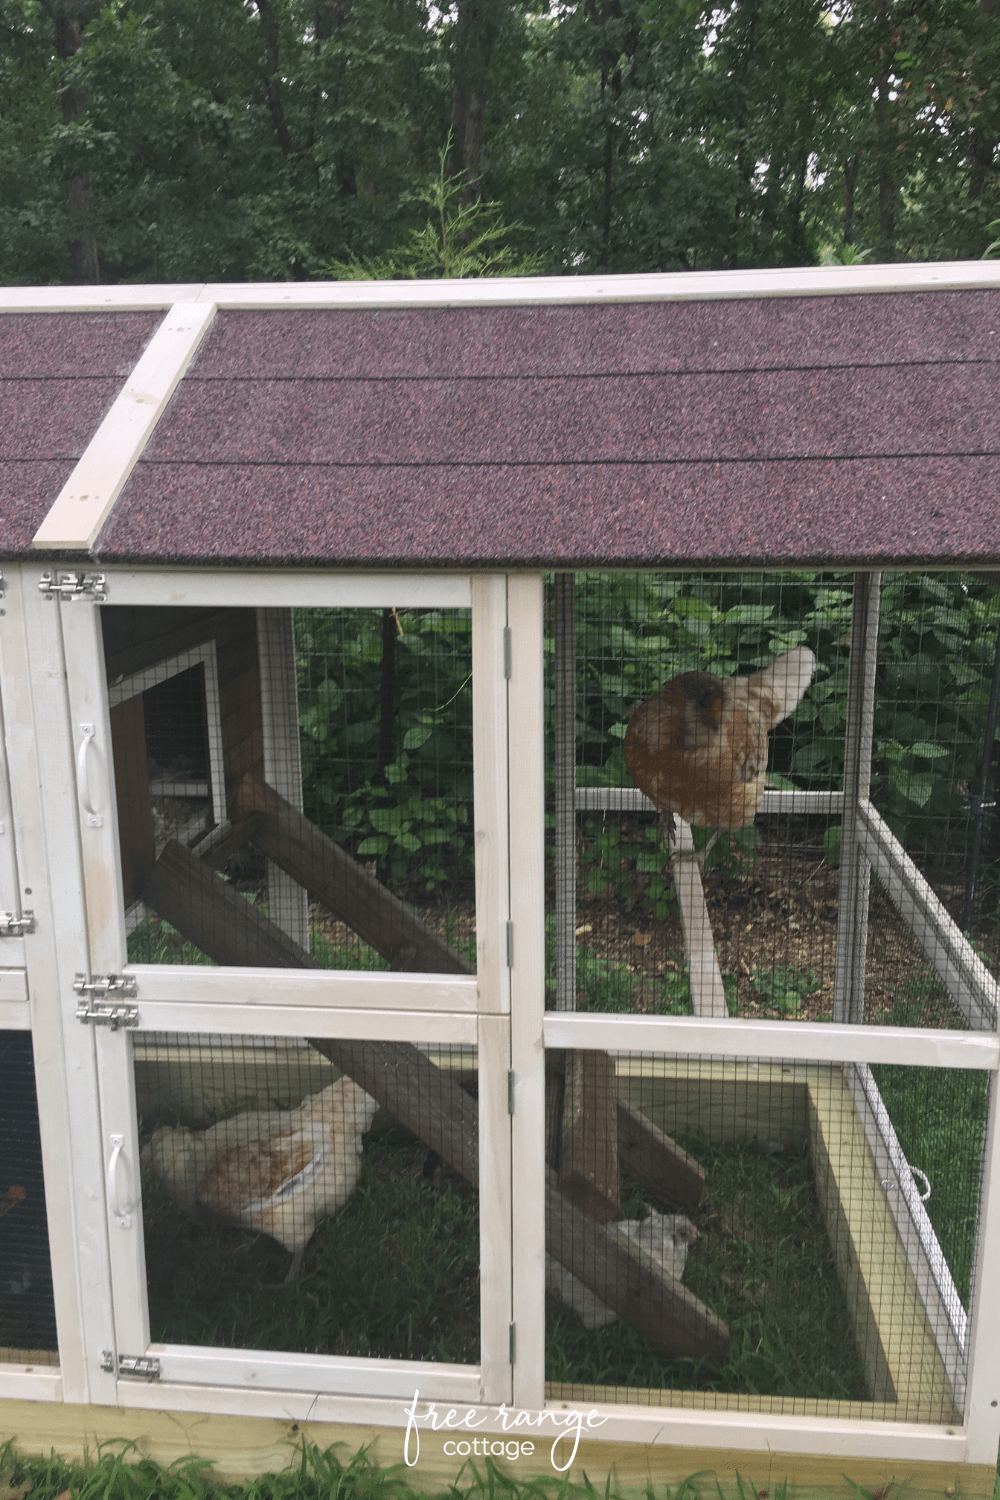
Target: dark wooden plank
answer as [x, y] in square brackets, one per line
[215, 917]
[656, 1162]
[629, 1280]
[424, 1099]
[588, 1162]
[343, 886]
[137, 637]
[242, 834]
[136, 837]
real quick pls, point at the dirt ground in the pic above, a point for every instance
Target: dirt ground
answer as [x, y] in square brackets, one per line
[780, 911]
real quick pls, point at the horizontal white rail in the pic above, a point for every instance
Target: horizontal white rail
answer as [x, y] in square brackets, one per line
[486, 291]
[792, 1041]
[302, 588]
[376, 990]
[308, 1021]
[774, 800]
[957, 964]
[320, 1373]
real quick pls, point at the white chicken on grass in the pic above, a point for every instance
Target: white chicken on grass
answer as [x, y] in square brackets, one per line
[665, 1237]
[278, 1171]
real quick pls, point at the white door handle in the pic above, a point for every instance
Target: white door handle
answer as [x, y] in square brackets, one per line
[122, 1212]
[82, 780]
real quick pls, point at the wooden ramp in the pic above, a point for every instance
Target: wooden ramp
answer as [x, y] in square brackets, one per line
[209, 912]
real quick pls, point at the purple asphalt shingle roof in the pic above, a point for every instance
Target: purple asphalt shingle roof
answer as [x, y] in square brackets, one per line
[859, 428]
[59, 373]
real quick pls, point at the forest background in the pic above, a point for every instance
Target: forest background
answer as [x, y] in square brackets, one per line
[189, 140]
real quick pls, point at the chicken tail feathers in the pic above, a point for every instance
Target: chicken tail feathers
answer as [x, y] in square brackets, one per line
[786, 680]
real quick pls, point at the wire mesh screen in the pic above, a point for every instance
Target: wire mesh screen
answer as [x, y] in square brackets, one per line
[27, 1312]
[752, 1235]
[673, 737]
[295, 787]
[292, 1206]
[932, 837]
[700, 726]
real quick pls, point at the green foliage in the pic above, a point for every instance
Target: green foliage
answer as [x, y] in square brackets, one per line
[412, 814]
[460, 238]
[275, 140]
[784, 988]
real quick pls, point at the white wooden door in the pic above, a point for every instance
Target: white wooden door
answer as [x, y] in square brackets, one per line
[210, 1014]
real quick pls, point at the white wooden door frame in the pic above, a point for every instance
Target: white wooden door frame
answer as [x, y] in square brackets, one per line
[203, 1000]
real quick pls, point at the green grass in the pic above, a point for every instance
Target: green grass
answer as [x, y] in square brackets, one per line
[117, 1472]
[939, 1116]
[395, 1274]
[763, 1264]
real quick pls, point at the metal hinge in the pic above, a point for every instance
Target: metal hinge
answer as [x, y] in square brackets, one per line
[95, 1005]
[142, 1366]
[506, 651]
[510, 945]
[510, 1091]
[12, 925]
[512, 1343]
[72, 586]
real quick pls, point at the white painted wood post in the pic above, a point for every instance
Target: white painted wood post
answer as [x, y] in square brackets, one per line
[982, 1413]
[565, 769]
[490, 782]
[855, 872]
[527, 846]
[42, 754]
[288, 903]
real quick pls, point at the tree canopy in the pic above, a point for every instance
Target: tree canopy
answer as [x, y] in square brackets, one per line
[277, 139]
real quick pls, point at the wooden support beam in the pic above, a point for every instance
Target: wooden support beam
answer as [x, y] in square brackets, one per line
[588, 1162]
[422, 1097]
[343, 886]
[708, 993]
[656, 1162]
[243, 833]
[216, 918]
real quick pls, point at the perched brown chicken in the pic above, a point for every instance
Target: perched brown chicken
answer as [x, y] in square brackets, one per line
[278, 1171]
[698, 747]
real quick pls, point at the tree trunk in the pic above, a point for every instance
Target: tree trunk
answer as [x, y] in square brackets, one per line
[331, 16]
[84, 262]
[476, 30]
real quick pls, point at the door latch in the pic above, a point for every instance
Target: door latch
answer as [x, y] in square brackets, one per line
[101, 997]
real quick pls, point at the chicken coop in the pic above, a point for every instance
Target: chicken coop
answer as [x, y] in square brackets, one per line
[501, 875]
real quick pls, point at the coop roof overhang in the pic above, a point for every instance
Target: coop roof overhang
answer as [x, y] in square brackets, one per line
[824, 416]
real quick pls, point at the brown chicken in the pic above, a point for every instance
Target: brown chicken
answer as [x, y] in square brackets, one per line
[698, 747]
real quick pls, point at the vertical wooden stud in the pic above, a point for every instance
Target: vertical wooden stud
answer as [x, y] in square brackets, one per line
[982, 1412]
[490, 781]
[855, 872]
[288, 903]
[42, 750]
[527, 855]
[495, 1276]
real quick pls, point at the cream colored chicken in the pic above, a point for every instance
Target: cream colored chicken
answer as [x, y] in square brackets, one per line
[278, 1171]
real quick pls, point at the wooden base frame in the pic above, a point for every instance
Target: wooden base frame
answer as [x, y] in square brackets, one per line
[241, 1447]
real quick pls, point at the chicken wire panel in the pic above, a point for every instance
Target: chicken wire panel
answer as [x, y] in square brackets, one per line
[284, 1209]
[747, 1236]
[759, 899]
[27, 1312]
[930, 835]
[294, 788]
